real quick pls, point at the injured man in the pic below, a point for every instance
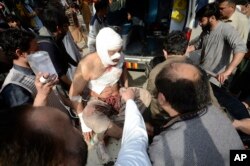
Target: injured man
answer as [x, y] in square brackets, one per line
[102, 75]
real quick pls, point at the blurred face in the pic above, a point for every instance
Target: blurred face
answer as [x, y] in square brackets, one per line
[204, 23]
[33, 48]
[58, 124]
[104, 12]
[226, 10]
[13, 24]
[245, 9]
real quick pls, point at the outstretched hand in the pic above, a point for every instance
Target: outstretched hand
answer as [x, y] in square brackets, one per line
[127, 93]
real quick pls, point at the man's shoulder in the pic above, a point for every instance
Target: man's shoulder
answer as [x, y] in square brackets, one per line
[89, 61]
[238, 16]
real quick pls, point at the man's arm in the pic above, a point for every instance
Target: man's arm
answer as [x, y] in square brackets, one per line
[242, 125]
[78, 84]
[239, 48]
[124, 77]
[237, 58]
[134, 137]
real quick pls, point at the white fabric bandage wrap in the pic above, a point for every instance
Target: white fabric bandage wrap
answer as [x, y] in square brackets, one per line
[108, 39]
[76, 98]
[83, 125]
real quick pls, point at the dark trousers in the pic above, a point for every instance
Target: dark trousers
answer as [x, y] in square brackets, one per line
[234, 107]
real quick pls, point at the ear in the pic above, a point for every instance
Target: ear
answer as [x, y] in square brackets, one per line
[161, 99]
[19, 53]
[58, 29]
[165, 53]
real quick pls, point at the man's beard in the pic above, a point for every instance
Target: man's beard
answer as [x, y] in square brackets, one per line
[207, 27]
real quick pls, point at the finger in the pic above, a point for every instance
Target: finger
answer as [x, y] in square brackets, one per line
[52, 80]
[40, 74]
[122, 90]
[86, 136]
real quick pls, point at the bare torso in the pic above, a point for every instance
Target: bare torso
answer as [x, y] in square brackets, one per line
[91, 68]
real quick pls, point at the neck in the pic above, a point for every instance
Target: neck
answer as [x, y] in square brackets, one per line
[22, 64]
[172, 112]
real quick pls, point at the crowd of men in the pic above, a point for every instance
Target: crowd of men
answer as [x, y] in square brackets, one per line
[191, 112]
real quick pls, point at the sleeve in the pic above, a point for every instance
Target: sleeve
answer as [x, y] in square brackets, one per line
[93, 31]
[198, 41]
[134, 139]
[14, 95]
[234, 40]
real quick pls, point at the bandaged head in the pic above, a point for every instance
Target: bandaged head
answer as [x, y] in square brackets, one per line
[107, 39]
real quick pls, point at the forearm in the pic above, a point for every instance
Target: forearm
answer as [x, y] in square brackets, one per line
[77, 104]
[40, 100]
[237, 58]
[124, 78]
[242, 125]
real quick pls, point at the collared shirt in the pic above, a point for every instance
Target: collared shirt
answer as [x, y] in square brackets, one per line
[240, 22]
[14, 95]
[95, 26]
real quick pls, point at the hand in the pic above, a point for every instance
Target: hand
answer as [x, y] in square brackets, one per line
[45, 88]
[88, 136]
[189, 49]
[127, 94]
[236, 124]
[222, 77]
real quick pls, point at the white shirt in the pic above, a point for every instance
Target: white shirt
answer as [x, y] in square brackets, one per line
[134, 145]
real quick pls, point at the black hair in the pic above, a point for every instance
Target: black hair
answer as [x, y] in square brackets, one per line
[18, 146]
[183, 95]
[23, 145]
[242, 2]
[102, 4]
[12, 18]
[176, 43]
[209, 10]
[53, 18]
[13, 39]
[229, 1]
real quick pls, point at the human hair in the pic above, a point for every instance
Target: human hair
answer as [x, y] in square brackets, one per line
[243, 2]
[22, 146]
[209, 10]
[184, 95]
[231, 2]
[12, 18]
[53, 18]
[13, 39]
[176, 43]
[25, 145]
[102, 4]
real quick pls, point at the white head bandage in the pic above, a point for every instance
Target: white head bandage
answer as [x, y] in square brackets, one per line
[108, 39]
